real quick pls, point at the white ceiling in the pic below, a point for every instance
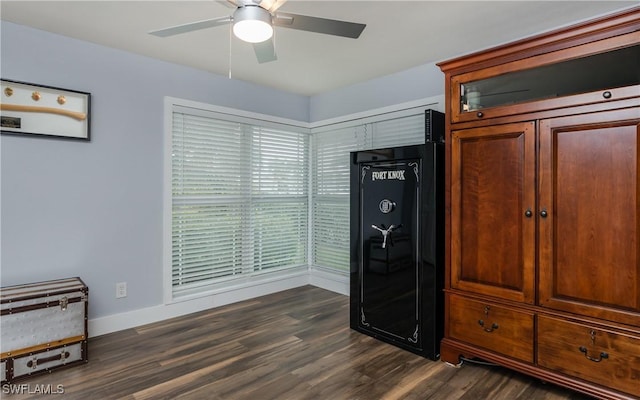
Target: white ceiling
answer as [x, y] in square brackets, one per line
[399, 34]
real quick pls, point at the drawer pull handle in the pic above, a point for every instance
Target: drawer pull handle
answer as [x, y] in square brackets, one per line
[584, 350]
[494, 326]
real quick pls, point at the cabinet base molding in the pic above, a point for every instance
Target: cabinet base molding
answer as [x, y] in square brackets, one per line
[452, 352]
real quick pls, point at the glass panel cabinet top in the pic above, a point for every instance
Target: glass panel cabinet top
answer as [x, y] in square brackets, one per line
[608, 70]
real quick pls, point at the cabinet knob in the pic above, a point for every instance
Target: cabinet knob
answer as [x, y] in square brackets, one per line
[480, 114]
[528, 213]
[606, 95]
[544, 213]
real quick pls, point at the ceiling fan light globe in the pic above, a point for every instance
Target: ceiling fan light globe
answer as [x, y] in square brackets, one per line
[252, 31]
[252, 24]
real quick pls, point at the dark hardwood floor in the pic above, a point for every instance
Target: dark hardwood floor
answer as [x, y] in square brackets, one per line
[294, 344]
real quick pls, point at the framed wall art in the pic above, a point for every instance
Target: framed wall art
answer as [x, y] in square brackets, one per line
[29, 109]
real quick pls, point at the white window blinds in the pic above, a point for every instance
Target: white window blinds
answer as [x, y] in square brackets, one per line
[331, 184]
[395, 132]
[239, 201]
[279, 193]
[331, 153]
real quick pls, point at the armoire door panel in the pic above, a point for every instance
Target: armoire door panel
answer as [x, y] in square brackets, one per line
[589, 241]
[493, 187]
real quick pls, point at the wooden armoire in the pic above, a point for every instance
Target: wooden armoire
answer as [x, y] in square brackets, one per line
[543, 206]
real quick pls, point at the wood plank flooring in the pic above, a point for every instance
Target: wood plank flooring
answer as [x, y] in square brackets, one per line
[295, 344]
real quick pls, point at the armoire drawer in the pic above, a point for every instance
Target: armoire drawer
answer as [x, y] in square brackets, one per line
[494, 327]
[601, 356]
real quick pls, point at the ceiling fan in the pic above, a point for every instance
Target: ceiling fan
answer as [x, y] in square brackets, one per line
[253, 22]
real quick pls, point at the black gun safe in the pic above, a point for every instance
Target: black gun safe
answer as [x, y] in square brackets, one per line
[397, 242]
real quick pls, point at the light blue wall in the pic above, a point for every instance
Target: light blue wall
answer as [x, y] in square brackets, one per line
[417, 83]
[94, 209]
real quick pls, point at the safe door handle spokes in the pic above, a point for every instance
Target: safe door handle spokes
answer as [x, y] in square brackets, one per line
[386, 232]
[601, 357]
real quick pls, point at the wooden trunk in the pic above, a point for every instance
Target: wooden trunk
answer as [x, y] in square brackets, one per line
[44, 327]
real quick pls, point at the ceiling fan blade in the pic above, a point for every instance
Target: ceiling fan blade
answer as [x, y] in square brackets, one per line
[319, 25]
[265, 51]
[272, 5]
[242, 3]
[191, 26]
[229, 3]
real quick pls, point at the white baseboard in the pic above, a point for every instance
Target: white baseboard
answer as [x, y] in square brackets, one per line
[330, 281]
[132, 319]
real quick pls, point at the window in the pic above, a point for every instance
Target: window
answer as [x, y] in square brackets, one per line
[331, 165]
[239, 199]
[242, 192]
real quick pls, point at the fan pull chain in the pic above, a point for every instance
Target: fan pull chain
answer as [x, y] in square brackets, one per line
[230, 42]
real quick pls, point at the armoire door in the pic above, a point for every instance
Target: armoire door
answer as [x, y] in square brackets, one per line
[493, 211]
[589, 215]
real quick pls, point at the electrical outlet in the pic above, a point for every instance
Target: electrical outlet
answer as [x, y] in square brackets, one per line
[121, 290]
